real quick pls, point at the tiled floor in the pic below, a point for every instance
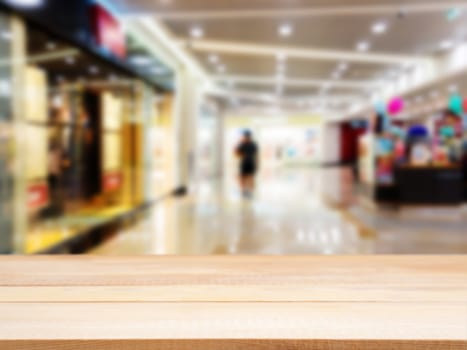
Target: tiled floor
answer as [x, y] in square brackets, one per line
[294, 211]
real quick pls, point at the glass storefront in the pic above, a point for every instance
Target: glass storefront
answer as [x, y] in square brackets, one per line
[6, 140]
[80, 133]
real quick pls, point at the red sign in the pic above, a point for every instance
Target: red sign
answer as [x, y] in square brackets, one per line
[108, 31]
[38, 196]
[112, 181]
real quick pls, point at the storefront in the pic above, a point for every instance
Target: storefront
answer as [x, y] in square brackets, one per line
[75, 116]
[418, 158]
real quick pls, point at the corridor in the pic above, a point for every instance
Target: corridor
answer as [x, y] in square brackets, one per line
[296, 211]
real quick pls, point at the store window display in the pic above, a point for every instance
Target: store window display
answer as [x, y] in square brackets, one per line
[78, 114]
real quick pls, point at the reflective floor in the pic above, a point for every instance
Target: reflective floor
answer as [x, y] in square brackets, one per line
[294, 212]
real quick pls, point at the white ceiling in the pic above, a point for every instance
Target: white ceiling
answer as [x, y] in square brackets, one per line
[330, 26]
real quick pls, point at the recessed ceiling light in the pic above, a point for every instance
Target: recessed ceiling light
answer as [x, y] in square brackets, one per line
[446, 45]
[285, 30]
[379, 27]
[213, 58]
[196, 32]
[363, 46]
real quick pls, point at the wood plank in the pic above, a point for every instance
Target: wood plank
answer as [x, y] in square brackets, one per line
[100, 321]
[232, 344]
[384, 302]
[233, 279]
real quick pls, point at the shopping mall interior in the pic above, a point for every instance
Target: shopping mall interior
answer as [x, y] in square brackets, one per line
[122, 125]
[233, 174]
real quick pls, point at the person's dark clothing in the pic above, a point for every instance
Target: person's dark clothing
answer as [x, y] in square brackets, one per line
[248, 152]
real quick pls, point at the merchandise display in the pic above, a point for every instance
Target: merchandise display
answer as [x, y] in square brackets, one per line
[406, 150]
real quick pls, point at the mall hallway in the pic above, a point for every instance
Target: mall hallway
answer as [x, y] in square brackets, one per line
[294, 212]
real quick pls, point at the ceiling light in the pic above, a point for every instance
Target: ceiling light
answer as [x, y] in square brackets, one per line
[285, 30]
[363, 46]
[6, 35]
[446, 45]
[213, 58]
[196, 32]
[379, 27]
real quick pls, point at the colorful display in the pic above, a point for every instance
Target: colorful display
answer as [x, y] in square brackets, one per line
[416, 144]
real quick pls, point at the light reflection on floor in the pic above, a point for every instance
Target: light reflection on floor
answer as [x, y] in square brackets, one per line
[289, 215]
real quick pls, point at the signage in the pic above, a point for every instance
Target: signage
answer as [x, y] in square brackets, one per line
[107, 31]
[37, 196]
[112, 182]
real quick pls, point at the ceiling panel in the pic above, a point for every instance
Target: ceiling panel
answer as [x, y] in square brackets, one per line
[294, 68]
[414, 34]
[410, 34]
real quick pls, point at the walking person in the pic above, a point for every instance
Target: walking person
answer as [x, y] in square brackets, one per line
[248, 151]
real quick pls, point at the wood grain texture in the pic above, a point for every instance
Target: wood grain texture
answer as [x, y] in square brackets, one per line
[225, 303]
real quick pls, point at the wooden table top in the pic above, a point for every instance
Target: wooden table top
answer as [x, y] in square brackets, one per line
[224, 303]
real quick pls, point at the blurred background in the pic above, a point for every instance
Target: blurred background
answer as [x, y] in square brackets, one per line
[122, 127]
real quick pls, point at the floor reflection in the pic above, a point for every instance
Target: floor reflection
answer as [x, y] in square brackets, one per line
[294, 212]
